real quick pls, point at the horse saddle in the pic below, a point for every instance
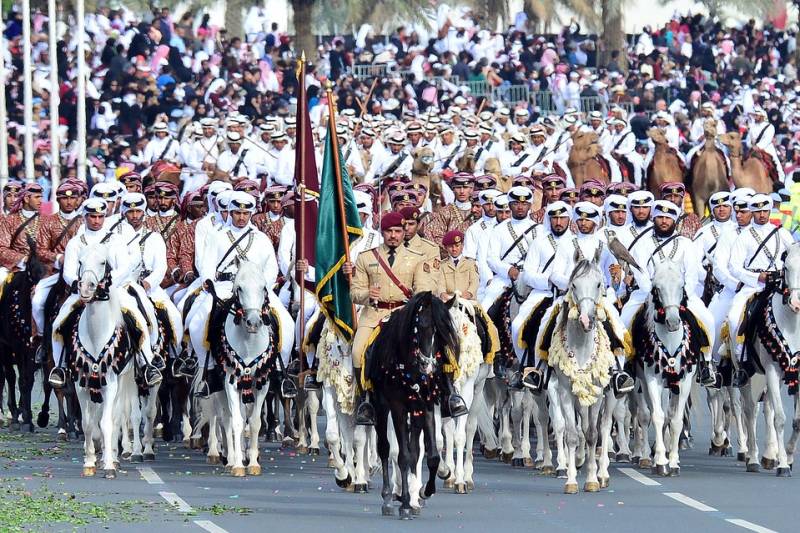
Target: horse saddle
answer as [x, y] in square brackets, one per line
[604, 164]
[534, 321]
[753, 321]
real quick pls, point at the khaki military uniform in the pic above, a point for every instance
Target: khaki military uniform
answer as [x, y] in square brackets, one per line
[428, 249]
[462, 277]
[410, 268]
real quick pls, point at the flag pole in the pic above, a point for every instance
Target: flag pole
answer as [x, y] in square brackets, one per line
[339, 192]
[301, 219]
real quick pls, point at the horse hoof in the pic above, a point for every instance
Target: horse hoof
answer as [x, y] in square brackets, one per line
[548, 470]
[623, 458]
[360, 488]
[604, 482]
[727, 451]
[14, 426]
[561, 473]
[313, 451]
[213, 460]
[767, 464]
[571, 488]
[126, 456]
[490, 454]
[660, 470]
[253, 470]
[158, 432]
[61, 437]
[196, 443]
[753, 467]
[343, 483]
[470, 486]
[302, 450]
[448, 484]
[635, 459]
[740, 457]
[591, 486]
[444, 475]
[783, 472]
[506, 457]
[517, 462]
[715, 451]
[26, 427]
[111, 474]
[237, 471]
[674, 471]
[89, 471]
[527, 462]
[405, 514]
[137, 458]
[416, 511]
[43, 419]
[149, 457]
[645, 463]
[387, 510]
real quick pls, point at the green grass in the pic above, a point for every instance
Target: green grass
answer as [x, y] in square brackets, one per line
[220, 509]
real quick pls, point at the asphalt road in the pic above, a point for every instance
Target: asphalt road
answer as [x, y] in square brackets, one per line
[298, 493]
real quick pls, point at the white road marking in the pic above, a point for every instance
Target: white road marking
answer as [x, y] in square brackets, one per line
[176, 501]
[149, 475]
[210, 526]
[749, 525]
[638, 476]
[691, 502]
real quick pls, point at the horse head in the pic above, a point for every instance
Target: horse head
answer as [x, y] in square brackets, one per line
[791, 278]
[423, 160]
[428, 324]
[94, 273]
[251, 297]
[585, 292]
[668, 295]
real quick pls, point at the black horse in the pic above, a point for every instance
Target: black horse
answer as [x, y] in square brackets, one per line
[406, 367]
[16, 345]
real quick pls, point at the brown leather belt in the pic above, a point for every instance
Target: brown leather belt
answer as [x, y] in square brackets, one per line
[390, 306]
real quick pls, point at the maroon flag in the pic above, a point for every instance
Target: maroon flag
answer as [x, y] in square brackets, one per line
[305, 179]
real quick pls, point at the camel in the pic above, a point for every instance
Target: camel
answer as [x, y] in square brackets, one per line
[421, 173]
[708, 172]
[466, 163]
[666, 165]
[492, 168]
[586, 160]
[749, 172]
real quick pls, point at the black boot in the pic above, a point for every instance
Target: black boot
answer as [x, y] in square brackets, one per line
[707, 373]
[152, 375]
[365, 413]
[534, 378]
[456, 406]
[58, 378]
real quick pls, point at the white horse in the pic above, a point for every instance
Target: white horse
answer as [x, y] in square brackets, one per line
[581, 357]
[780, 328]
[673, 352]
[248, 352]
[103, 342]
[348, 444]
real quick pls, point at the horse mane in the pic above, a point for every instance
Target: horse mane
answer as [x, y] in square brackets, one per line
[396, 338]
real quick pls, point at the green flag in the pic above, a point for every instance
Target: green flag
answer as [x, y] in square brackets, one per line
[338, 225]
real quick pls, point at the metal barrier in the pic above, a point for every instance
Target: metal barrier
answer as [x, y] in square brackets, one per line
[377, 70]
[544, 101]
[592, 103]
[512, 94]
[478, 87]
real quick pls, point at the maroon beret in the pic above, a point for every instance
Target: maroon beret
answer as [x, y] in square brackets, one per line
[391, 220]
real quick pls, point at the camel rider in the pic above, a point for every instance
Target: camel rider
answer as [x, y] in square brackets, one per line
[707, 240]
[697, 131]
[54, 234]
[756, 261]
[394, 162]
[93, 212]
[539, 264]
[700, 141]
[760, 135]
[638, 223]
[237, 241]
[489, 147]
[720, 256]
[518, 159]
[661, 245]
[586, 243]
[148, 253]
[476, 238]
[292, 268]
[161, 146]
[509, 242]
[384, 278]
[539, 147]
[623, 148]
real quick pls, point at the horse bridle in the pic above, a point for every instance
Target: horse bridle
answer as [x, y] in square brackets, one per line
[238, 311]
[101, 292]
[661, 310]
